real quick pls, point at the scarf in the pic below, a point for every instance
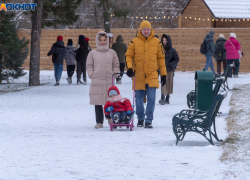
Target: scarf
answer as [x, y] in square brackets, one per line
[117, 98]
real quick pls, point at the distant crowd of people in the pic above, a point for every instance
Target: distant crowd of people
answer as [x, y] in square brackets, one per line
[227, 52]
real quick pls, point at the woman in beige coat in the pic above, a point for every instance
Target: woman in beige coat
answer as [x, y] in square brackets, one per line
[101, 64]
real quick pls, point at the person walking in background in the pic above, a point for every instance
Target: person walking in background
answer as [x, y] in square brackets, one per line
[220, 53]
[87, 40]
[70, 58]
[171, 61]
[101, 64]
[233, 47]
[120, 48]
[81, 57]
[145, 55]
[57, 52]
[209, 40]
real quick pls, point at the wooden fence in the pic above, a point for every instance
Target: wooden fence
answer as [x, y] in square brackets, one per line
[186, 41]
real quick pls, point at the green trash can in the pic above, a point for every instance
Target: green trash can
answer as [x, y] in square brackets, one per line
[203, 89]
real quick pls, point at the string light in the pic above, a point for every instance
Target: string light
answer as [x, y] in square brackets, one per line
[199, 19]
[164, 17]
[146, 17]
[141, 17]
[155, 17]
[247, 19]
[239, 20]
[234, 19]
[225, 19]
[159, 17]
[217, 19]
[203, 19]
[132, 17]
[230, 20]
[136, 17]
[186, 17]
[168, 17]
[221, 19]
[208, 19]
[212, 19]
[243, 19]
[195, 18]
[190, 17]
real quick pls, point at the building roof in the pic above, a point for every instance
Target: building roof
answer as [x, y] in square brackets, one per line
[227, 8]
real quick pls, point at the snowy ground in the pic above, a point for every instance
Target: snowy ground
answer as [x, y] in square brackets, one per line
[47, 133]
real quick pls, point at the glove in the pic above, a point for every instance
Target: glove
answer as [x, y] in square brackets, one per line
[130, 72]
[129, 112]
[109, 109]
[163, 80]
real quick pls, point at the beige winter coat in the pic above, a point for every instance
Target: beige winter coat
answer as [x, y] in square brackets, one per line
[101, 64]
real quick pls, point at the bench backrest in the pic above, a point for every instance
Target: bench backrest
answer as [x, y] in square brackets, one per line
[226, 72]
[217, 87]
[213, 110]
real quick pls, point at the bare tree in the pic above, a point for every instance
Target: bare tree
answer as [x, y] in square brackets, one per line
[34, 75]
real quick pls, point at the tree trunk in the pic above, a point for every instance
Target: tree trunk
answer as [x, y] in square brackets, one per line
[106, 17]
[34, 71]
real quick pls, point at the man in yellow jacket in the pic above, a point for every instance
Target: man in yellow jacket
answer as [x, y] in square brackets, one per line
[145, 55]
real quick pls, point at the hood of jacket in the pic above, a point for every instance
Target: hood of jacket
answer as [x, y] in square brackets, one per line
[114, 88]
[98, 45]
[119, 38]
[209, 37]
[220, 40]
[169, 41]
[60, 43]
[70, 47]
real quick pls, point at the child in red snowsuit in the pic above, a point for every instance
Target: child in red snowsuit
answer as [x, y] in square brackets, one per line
[121, 107]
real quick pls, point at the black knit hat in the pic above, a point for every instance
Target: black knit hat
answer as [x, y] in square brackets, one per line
[70, 42]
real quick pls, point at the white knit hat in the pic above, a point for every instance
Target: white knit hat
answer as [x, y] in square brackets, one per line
[221, 36]
[233, 35]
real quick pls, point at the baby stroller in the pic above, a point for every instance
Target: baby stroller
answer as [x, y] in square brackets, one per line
[130, 125]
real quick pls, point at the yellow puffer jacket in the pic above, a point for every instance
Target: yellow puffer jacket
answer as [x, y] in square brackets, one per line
[145, 56]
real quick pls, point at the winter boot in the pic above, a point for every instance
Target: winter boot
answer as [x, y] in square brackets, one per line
[68, 79]
[162, 100]
[99, 125]
[167, 99]
[148, 125]
[118, 80]
[78, 81]
[57, 83]
[126, 119]
[84, 82]
[140, 123]
[116, 119]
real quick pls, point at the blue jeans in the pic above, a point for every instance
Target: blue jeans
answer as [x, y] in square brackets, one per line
[236, 68]
[121, 115]
[209, 63]
[58, 68]
[140, 111]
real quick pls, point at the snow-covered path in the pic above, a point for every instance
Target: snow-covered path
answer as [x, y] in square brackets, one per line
[47, 132]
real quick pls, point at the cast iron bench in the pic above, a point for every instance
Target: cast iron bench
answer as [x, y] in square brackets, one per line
[198, 121]
[224, 76]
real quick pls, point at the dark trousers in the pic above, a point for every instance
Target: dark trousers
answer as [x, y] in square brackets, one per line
[70, 70]
[122, 66]
[99, 113]
[219, 65]
[81, 68]
[236, 68]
